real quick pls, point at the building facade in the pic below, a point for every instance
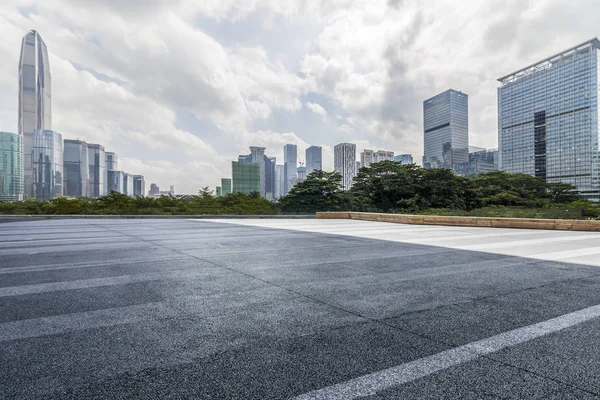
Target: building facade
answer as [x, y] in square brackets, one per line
[344, 162]
[480, 161]
[154, 190]
[97, 171]
[314, 159]
[76, 168]
[48, 165]
[279, 181]
[301, 171]
[35, 98]
[112, 161]
[548, 119]
[225, 186]
[290, 164]
[245, 177]
[446, 129]
[11, 167]
[114, 181]
[267, 170]
[404, 159]
[139, 186]
[366, 157]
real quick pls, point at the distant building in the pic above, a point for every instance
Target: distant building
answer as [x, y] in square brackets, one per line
[245, 177]
[154, 190]
[267, 170]
[76, 168]
[115, 181]
[218, 191]
[97, 172]
[48, 166]
[344, 161]
[279, 181]
[225, 186]
[11, 167]
[368, 157]
[172, 190]
[480, 161]
[358, 166]
[446, 130]
[128, 184]
[314, 159]
[548, 119]
[139, 186]
[383, 155]
[301, 171]
[404, 159]
[290, 164]
[35, 97]
[112, 161]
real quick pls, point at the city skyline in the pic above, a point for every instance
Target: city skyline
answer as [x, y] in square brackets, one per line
[341, 78]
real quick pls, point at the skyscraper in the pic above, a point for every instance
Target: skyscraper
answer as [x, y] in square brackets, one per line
[139, 186]
[11, 167]
[290, 164]
[366, 157]
[344, 162]
[127, 184]
[245, 177]
[383, 155]
[404, 158]
[314, 159]
[279, 180]
[35, 110]
[114, 181]
[154, 190]
[267, 170]
[47, 155]
[446, 129]
[76, 168]
[548, 119]
[98, 176]
[225, 186]
[112, 161]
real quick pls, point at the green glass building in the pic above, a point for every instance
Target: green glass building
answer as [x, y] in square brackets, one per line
[245, 177]
[225, 186]
[219, 192]
[11, 167]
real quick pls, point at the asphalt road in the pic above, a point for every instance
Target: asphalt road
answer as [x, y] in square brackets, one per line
[310, 309]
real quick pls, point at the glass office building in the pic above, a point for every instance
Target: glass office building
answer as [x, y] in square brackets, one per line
[114, 181]
[139, 186]
[127, 184]
[245, 177]
[11, 167]
[225, 186]
[76, 182]
[446, 129]
[344, 162]
[404, 159]
[35, 112]
[48, 166]
[314, 159]
[112, 161]
[548, 119]
[98, 176]
[290, 164]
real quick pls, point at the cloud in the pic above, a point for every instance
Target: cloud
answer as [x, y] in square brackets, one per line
[316, 108]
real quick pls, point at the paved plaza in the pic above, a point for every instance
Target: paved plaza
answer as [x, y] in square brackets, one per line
[296, 309]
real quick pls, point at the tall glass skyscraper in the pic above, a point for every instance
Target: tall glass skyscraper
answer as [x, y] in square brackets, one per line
[245, 177]
[98, 176]
[48, 164]
[548, 119]
[446, 129]
[267, 170]
[76, 168]
[139, 186]
[34, 99]
[290, 164]
[314, 159]
[114, 181]
[112, 161]
[344, 162]
[11, 167]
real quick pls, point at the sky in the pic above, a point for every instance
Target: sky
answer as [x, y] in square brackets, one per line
[179, 88]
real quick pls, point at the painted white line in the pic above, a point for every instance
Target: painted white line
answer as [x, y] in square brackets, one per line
[370, 384]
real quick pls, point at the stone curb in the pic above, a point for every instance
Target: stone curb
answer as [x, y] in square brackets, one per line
[44, 217]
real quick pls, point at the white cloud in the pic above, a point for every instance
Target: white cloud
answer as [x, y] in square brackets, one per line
[316, 108]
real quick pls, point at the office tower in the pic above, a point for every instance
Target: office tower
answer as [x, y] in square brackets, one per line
[112, 161]
[446, 129]
[172, 190]
[139, 186]
[225, 186]
[301, 171]
[115, 181]
[11, 167]
[128, 184]
[35, 109]
[404, 159]
[366, 157]
[218, 191]
[98, 176]
[154, 190]
[76, 168]
[267, 170]
[290, 163]
[344, 160]
[279, 181]
[548, 119]
[48, 166]
[314, 159]
[480, 161]
[245, 177]
[383, 155]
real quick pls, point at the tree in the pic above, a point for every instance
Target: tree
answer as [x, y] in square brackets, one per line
[320, 191]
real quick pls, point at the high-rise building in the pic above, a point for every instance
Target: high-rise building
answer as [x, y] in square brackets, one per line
[114, 182]
[267, 170]
[548, 119]
[112, 161]
[172, 190]
[446, 129]
[404, 158]
[245, 177]
[219, 191]
[35, 109]
[11, 167]
[383, 155]
[279, 181]
[76, 168]
[139, 186]
[314, 159]
[225, 186]
[128, 184]
[290, 164]
[98, 176]
[301, 171]
[344, 162]
[480, 161]
[154, 190]
[47, 155]
[366, 157]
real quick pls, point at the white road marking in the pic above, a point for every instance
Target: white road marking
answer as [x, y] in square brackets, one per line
[378, 381]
